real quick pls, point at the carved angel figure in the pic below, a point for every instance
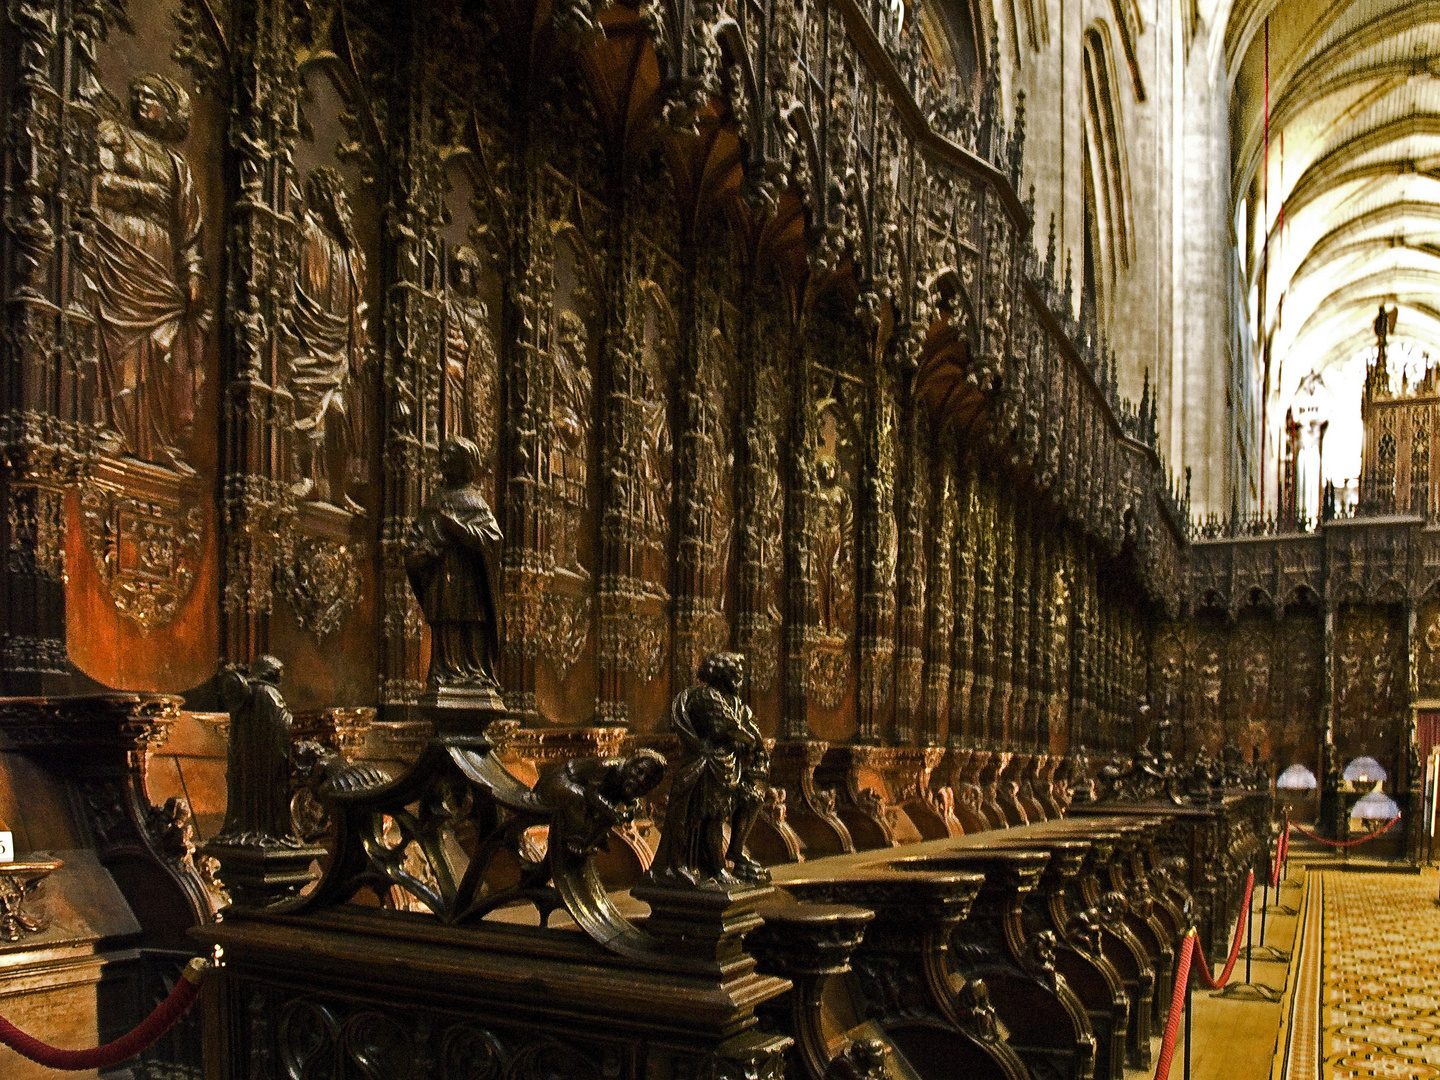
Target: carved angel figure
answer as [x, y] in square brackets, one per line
[257, 773]
[329, 324]
[149, 284]
[590, 796]
[452, 561]
[718, 782]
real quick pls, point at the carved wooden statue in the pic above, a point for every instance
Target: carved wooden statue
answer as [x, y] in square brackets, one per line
[452, 560]
[719, 782]
[589, 796]
[257, 775]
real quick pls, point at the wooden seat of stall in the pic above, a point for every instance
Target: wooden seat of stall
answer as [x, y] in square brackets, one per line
[1129, 959]
[1015, 836]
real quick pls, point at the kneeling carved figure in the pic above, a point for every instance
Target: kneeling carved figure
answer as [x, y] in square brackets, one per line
[719, 781]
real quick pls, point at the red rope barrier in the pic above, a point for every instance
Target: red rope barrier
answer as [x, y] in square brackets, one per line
[1177, 1005]
[187, 988]
[1279, 858]
[1340, 843]
[1204, 966]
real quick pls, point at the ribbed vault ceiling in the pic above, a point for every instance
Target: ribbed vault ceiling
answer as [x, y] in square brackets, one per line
[1349, 208]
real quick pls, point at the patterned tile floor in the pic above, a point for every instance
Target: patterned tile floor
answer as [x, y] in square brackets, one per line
[1380, 985]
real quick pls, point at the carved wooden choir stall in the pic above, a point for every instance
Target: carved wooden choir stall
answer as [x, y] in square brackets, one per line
[593, 535]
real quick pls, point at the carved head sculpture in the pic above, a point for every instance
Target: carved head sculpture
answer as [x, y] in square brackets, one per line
[459, 461]
[160, 107]
[1083, 930]
[724, 671]
[641, 774]
[266, 669]
[828, 472]
[465, 270]
[975, 1011]
[325, 195]
[1113, 907]
[863, 1059]
[1040, 954]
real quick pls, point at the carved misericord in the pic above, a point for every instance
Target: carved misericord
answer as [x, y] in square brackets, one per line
[330, 353]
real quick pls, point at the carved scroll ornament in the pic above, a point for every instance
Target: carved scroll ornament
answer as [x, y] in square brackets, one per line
[19, 881]
[400, 839]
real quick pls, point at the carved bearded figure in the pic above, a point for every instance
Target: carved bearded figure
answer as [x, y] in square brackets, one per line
[149, 283]
[327, 370]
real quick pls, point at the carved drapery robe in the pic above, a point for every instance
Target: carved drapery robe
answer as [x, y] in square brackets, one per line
[146, 248]
[329, 323]
[453, 572]
[467, 349]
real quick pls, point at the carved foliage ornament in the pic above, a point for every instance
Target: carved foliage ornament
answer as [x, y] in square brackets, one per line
[320, 580]
[19, 881]
[145, 536]
[313, 1036]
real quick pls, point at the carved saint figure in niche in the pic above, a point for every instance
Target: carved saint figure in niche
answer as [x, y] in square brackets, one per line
[469, 352]
[834, 524]
[590, 796]
[570, 413]
[328, 368]
[655, 456]
[452, 559]
[149, 283]
[257, 773]
[718, 783]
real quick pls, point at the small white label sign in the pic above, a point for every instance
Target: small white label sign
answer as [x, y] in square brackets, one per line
[7, 847]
